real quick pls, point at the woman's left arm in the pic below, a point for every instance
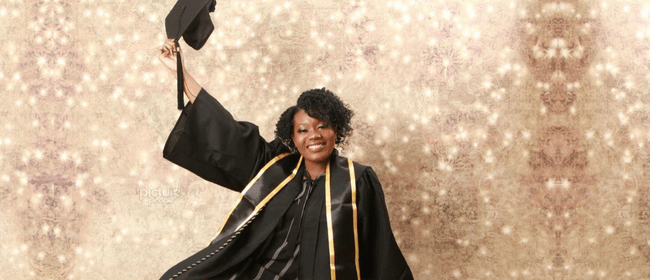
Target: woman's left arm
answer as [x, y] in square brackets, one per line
[380, 257]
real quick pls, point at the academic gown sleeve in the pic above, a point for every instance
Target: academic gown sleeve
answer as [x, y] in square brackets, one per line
[209, 142]
[380, 257]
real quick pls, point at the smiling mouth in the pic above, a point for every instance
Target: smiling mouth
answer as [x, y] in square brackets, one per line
[315, 148]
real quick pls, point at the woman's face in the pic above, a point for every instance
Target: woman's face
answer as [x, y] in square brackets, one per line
[313, 138]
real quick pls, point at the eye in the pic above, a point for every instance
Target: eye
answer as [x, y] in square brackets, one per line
[302, 130]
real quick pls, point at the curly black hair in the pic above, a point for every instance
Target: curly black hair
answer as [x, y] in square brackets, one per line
[321, 104]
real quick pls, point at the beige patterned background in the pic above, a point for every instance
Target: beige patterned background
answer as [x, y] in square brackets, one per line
[511, 137]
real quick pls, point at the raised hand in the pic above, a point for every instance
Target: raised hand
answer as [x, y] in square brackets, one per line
[167, 55]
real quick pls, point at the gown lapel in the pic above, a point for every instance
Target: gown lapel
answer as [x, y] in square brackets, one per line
[311, 228]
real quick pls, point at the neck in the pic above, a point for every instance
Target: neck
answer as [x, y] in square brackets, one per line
[314, 169]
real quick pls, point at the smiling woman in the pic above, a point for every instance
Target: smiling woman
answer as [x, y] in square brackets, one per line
[315, 140]
[304, 211]
[318, 123]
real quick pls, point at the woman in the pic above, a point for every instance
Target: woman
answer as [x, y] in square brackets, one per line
[304, 211]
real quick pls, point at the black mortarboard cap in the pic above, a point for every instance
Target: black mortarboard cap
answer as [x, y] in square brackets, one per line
[191, 20]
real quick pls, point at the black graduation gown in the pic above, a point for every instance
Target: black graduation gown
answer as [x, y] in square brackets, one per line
[207, 141]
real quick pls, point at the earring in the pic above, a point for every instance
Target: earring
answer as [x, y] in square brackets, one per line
[288, 143]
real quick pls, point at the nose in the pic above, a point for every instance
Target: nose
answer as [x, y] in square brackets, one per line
[315, 134]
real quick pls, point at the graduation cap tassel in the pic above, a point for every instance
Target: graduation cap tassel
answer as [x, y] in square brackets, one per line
[179, 75]
[189, 19]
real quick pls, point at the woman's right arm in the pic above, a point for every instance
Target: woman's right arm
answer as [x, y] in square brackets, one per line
[209, 142]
